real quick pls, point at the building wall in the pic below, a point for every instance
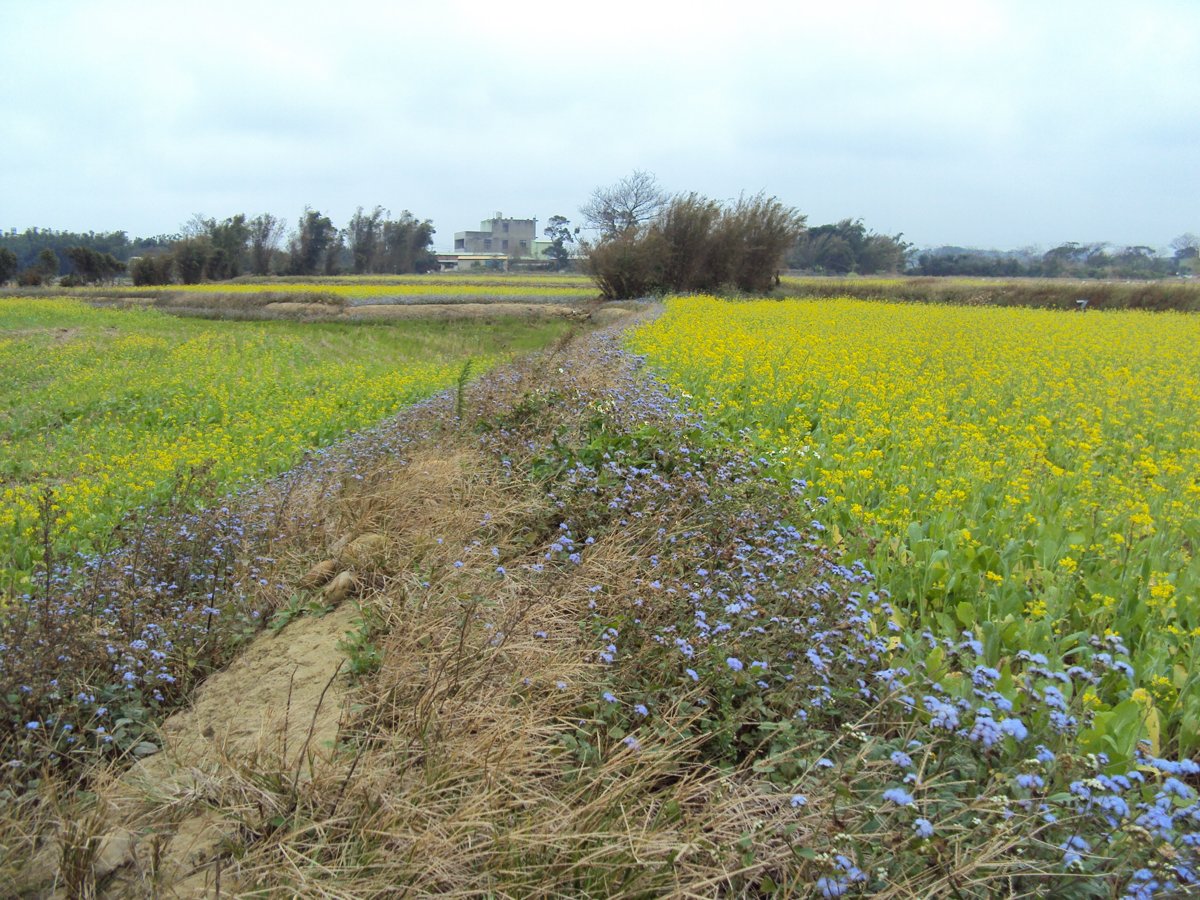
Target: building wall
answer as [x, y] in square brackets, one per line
[513, 237]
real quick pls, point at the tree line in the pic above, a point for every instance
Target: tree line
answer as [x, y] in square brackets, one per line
[635, 214]
[1068, 260]
[648, 240]
[371, 243]
[207, 249]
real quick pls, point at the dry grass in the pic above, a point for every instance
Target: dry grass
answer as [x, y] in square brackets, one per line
[1045, 293]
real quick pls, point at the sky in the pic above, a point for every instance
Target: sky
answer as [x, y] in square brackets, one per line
[978, 123]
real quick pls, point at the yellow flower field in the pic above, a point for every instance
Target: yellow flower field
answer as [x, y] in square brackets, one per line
[418, 287]
[1032, 475]
[103, 408]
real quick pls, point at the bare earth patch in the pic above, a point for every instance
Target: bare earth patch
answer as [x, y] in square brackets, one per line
[462, 310]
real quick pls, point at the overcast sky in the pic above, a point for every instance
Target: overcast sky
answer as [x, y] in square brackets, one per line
[976, 122]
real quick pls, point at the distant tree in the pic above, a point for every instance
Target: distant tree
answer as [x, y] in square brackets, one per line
[1135, 262]
[92, 267]
[86, 264]
[48, 262]
[196, 226]
[960, 261]
[631, 202]
[882, 253]
[309, 244]
[847, 246]
[229, 241]
[1058, 260]
[832, 253]
[265, 233]
[191, 256]
[558, 230]
[8, 264]
[406, 245]
[152, 269]
[364, 236]
[334, 254]
[1186, 246]
[28, 244]
[1095, 257]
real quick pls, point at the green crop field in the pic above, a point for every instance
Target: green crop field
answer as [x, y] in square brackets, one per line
[101, 410]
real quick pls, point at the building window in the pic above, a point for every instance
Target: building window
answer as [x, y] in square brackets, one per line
[487, 243]
[506, 226]
[504, 245]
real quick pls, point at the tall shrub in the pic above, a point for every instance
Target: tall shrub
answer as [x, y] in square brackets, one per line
[697, 244]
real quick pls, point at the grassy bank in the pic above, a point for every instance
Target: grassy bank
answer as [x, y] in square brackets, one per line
[1065, 294]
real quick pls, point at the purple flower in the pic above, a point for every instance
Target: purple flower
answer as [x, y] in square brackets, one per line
[734, 663]
[832, 887]
[899, 796]
[691, 673]
[631, 742]
[1177, 788]
[798, 800]
[923, 828]
[1031, 782]
[640, 709]
[1015, 728]
[985, 730]
[1072, 847]
[609, 697]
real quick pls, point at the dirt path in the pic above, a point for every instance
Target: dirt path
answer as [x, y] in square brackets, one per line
[282, 698]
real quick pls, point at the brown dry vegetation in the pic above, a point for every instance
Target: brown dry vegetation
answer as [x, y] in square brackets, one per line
[1047, 293]
[441, 767]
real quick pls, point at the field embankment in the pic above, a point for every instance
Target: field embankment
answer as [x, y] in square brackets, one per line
[335, 297]
[1042, 293]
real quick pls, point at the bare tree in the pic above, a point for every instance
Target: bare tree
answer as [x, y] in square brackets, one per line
[629, 203]
[1186, 246]
[196, 226]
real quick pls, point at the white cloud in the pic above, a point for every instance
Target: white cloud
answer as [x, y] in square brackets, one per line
[974, 122]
